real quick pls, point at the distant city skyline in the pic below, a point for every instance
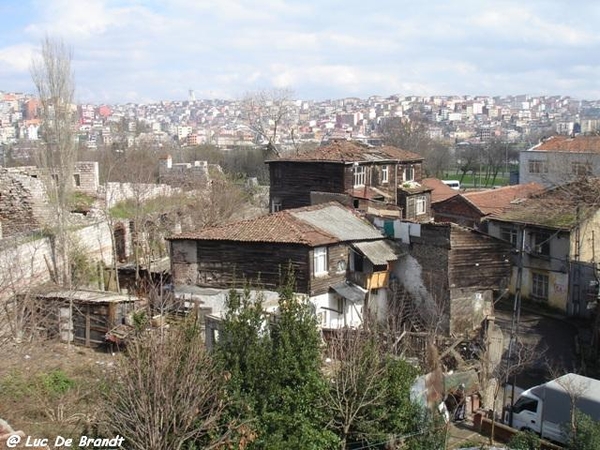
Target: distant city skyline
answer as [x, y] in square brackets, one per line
[147, 51]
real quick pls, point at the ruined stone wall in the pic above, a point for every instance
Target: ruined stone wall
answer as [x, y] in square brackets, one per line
[86, 177]
[119, 192]
[27, 262]
[23, 202]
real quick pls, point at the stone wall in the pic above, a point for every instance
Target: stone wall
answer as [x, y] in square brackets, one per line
[28, 262]
[86, 177]
[23, 202]
[119, 192]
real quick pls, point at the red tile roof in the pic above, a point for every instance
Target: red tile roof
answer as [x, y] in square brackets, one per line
[494, 201]
[293, 226]
[281, 227]
[349, 151]
[577, 144]
[440, 191]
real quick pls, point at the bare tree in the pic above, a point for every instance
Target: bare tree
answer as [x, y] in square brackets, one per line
[268, 115]
[168, 393]
[52, 75]
[355, 371]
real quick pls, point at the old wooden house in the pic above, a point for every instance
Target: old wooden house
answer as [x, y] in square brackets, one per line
[340, 261]
[82, 316]
[555, 235]
[470, 208]
[380, 178]
[450, 275]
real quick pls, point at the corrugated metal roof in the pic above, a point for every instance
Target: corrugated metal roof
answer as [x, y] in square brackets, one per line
[378, 252]
[350, 291]
[338, 221]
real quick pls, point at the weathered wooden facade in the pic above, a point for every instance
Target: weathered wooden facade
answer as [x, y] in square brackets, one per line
[81, 316]
[381, 175]
[453, 272]
[336, 256]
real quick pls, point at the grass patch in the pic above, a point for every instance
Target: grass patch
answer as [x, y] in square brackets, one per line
[130, 208]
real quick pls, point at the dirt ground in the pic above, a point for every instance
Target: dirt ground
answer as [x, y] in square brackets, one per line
[50, 388]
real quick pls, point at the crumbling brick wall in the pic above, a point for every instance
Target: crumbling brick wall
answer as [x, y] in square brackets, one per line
[23, 202]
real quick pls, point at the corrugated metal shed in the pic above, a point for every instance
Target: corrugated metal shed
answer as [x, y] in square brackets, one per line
[378, 252]
[338, 221]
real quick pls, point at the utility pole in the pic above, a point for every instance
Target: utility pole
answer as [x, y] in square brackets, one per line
[514, 327]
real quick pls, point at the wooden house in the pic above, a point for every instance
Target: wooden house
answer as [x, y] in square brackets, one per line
[369, 177]
[81, 316]
[338, 258]
[450, 275]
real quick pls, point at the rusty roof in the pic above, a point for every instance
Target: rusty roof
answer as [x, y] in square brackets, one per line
[577, 144]
[491, 201]
[439, 190]
[350, 151]
[560, 207]
[313, 226]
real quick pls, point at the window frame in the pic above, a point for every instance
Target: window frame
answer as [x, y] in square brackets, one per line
[320, 266]
[540, 284]
[408, 173]
[420, 200]
[541, 243]
[537, 166]
[77, 180]
[385, 174]
[581, 169]
[360, 176]
[511, 233]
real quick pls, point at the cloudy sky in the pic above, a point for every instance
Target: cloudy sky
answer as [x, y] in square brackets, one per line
[141, 51]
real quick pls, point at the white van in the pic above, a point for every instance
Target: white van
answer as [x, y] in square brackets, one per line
[454, 184]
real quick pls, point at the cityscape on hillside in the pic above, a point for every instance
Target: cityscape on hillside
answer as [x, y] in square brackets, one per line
[454, 119]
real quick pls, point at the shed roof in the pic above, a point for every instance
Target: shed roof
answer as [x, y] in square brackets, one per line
[313, 226]
[344, 151]
[350, 291]
[379, 252]
[85, 296]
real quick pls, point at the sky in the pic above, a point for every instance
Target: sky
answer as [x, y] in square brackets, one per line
[147, 51]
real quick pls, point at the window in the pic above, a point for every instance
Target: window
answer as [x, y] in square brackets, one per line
[420, 205]
[385, 174]
[409, 173]
[581, 169]
[525, 404]
[537, 166]
[320, 261]
[276, 174]
[539, 286]
[509, 234]
[77, 179]
[360, 175]
[276, 205]
[541, 243]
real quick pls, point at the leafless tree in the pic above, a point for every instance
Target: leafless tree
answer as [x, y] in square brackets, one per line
[355, 374]
[53, 77]
[268, 114]
[168, 393]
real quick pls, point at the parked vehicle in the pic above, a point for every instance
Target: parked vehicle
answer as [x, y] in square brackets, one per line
[546, 409]
[454, 184]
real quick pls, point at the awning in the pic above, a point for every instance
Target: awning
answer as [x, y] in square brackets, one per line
[378, 252]
[350, 291]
